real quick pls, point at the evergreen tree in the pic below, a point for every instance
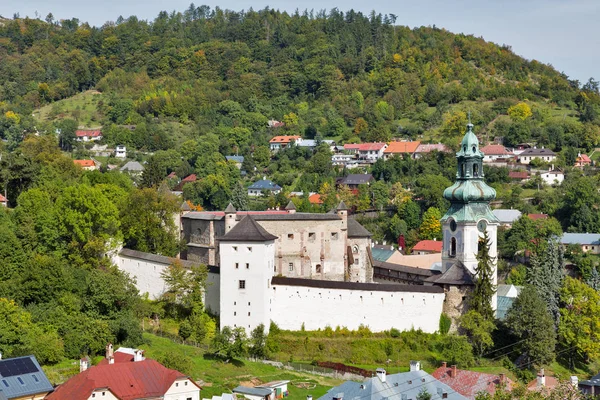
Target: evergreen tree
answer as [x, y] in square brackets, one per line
[593, 280]
[153, 173]
[481, 298]
[533, 327]
[239, 198]
[546, 274]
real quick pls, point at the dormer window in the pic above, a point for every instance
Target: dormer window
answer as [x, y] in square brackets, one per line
[474, 149]
[475, 170]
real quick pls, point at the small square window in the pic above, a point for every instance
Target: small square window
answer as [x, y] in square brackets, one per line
[185, 384]
[248, 303]
[93, 395]
[334, 235]
[290, 236]
[242, 284]
[291, 267]
[234, 248]
[248, 313]
[103, 393]
[176, 384]
[250, 249]
[312, 236]
[237, 265]
[247, 265]
[234, 313]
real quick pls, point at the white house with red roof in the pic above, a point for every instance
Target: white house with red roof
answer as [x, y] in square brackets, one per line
[428, 247]
[371, 151]
[86, 165]
[583, 160]
[3, 201]
[492, 152]
[88, 135]
[127, 375]
[470, 383]
[281, 142]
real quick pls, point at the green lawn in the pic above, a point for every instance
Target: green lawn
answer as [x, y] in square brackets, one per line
[81, 107]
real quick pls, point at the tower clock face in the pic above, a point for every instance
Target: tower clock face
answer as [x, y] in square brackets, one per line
[452, 225]
[481, 225]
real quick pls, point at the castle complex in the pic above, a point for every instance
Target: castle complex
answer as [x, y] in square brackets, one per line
[315, 270]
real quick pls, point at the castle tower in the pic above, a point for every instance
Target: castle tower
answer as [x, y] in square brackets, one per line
[230, 217]
[247, 259]
[469, 215]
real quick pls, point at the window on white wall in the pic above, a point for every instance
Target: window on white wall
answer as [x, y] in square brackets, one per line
[290, 236]
[247, 265]
[234, 248]
[242, 285]
[237, 265]
[250, 249]
[291, 267]
[334, 235]
[312, 236]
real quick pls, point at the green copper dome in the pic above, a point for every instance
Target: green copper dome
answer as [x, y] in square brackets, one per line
[469, 195]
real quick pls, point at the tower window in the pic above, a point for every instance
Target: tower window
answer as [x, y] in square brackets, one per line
[318, 268]
[462, 170]
[475, 170]
[452, 247]
[474, 149]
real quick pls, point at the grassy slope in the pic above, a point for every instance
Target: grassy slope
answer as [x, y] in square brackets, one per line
[82, 107]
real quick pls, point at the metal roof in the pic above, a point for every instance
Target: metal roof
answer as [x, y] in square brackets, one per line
[356, 230]
[580, 238]
[237, 159]
[247, 230]
[22, 376]
[504, 304]
[253, 391]
[132, 166]
[394, 387]
[265, 184]
[507, 216]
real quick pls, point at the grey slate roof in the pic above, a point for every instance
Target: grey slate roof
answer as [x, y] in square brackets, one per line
[253, 391]
[537, 152]
[132, 166]
[265, 184]
[247, 230]
[507, 216]
[342, 206]
[230, 209]
[382, 287]
[425, 273]
[356, 230]
[580, 238]
[185, 206]
[12, 373]
[395, 386]
[154, 257]
[357, 179]
[457, 274]
[237, 159]
[290, 206]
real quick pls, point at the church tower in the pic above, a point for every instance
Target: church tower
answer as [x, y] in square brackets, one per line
[469, 215]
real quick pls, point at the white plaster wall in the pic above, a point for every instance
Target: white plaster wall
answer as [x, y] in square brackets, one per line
[317, 308]
[551, 179]
[146, 274]
[248, 307]
[98, 394]
[182, 389]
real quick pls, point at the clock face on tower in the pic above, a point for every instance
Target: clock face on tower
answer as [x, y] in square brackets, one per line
[481, 225]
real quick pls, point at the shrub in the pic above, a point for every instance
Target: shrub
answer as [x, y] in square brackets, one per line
[445, 323]
[395, 333]
[456, 349]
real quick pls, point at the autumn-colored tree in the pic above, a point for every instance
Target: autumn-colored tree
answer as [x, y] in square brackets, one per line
[454, 123]
[431, 227]
[519, 112]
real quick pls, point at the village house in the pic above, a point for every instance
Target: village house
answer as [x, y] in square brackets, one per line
[23, 379]
[371, 152]
[263, 185]
[423, 149]
[188, 179]
[121, 152]
[238, 160]
[528, 155]
[552, 176]
[404, 385]
[126, 374]
[86, 165]
[353, 181]
[400, 148]
[493, 152]
[470, 383]
[543, 383]
[272, 123]
[582, 161]
[267, 391]
[427, 247]
[281, 142]
[507, 217]
[133, 168]
[589, 242]
[520, 176]
[347, 160]
[88, 136]
[3, 201]
[590, 387]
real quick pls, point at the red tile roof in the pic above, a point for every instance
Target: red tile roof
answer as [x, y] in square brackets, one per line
[127, 380]
[402, 147]
[284, 139]
[495, 150]
[551, 383]
[518, 175]
[429, 245]
[3, 199]
[371, 146]
[190, 178]
[84, 163]
[352, 146]
[537, 216]
[172, 175]
[315, 198]
[584, 158]
[83, 133]
[469, 383]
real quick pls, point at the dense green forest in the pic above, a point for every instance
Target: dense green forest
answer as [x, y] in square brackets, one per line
[187, 89]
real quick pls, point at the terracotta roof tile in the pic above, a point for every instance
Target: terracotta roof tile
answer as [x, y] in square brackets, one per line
[84, 163]
[429, 245]
[315, 198]
[537, 216]
[495, 150]
[402, 147]
[3, 199]
[469, 383]
[518, 175]
[284, 139]
[82, 133]
[371, 146]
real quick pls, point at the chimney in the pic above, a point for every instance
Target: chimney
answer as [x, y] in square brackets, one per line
[541, 378]
[444, 364]
[415, 366]
[84, 364]
[381, 374]
[109, 351]
[453, 372]
[574, 381]
[111, 360]
[138, 355]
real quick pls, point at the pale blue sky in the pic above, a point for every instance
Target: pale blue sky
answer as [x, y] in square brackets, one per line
[564, 33]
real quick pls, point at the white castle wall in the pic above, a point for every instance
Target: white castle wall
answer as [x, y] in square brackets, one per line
[291, 306]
